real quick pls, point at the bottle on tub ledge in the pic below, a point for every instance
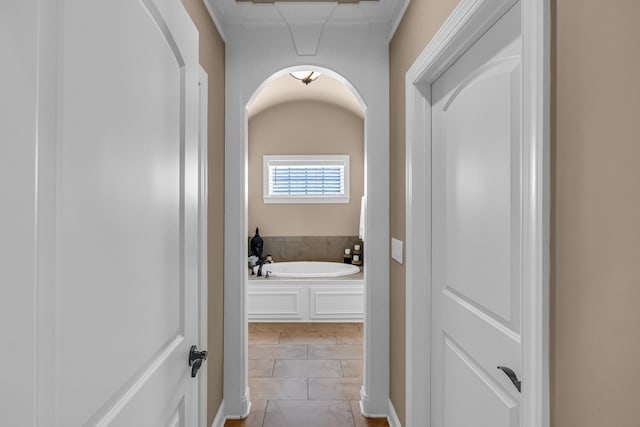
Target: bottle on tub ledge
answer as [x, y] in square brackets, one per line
[347, 256]
[357, 255]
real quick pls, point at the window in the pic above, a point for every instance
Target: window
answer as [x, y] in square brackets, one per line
[306, 179]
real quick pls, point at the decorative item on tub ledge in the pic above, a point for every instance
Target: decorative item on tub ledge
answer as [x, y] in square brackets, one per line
[357, 255]
[257, 245]
[347, 256]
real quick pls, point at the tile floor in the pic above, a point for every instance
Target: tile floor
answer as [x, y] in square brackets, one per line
[305, 375]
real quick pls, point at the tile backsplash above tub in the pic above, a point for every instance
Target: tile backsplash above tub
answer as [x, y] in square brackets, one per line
[308, 248]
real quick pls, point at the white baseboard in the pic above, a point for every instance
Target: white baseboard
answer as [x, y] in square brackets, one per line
[219, 420]
[364, 406]
[392, 417]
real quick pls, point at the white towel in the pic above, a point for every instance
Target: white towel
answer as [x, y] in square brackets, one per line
[363, 208]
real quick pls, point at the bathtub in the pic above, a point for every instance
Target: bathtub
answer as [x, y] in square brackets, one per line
[308, 269]
[306, 291]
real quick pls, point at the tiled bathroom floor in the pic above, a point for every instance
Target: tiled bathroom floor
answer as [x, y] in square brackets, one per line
[305, 375]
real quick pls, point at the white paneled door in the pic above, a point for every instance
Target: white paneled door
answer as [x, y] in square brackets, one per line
[127, 214]
[477, 233]
[117, 213]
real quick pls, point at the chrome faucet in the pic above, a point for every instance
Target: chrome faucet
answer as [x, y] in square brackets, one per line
[260, 265]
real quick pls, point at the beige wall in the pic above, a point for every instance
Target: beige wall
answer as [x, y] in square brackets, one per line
[212, 60]
[421, 21]
[595, 216]
[305, 127]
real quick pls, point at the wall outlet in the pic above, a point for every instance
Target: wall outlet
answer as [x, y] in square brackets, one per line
[396, 249]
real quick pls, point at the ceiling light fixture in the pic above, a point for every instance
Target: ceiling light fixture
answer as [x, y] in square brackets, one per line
[305, 76]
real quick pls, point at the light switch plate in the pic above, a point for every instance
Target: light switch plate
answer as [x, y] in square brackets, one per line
[396, 249]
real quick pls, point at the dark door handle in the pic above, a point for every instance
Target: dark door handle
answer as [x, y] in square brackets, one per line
[197, 364]
[512, 376]
[196, 358]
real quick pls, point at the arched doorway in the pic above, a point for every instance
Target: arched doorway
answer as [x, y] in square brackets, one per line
[246, 74]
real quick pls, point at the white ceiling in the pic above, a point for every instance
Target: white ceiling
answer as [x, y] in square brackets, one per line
[306, 20]
[229, 12]
[285, 89]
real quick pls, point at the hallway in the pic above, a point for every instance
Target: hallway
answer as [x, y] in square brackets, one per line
[305, 374]
[124, 178]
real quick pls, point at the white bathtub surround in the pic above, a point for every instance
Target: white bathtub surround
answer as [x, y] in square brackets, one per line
[307, 269]
[295, 296]
[310, 300]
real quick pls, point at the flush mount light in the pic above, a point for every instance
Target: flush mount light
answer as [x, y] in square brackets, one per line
[305, 76]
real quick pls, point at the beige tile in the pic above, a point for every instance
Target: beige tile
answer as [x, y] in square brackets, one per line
[307, 368]
[285, 413]
[258, 405]
[271, 327]
[322, 351]
[352, 368]
[255, 418]
[278, 388]
[334, 388]
[260, 368]
[362, 421]
[337, 327]
[315, 327]
[286, 351]
[304, 248]
[264, 337]
[327, 327]
[307, 337]
[349, 338]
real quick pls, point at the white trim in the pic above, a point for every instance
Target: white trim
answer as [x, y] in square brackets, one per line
[417, 259]
[308, 200]
[203, 281]
[392, 418]
[536, 119]
[217, 20]
[219, 419]
[364, 399]
[395, 23]
[466, 24]
[252, 59]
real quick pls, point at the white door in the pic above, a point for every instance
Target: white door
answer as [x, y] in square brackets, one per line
[476, 214]
[126, 255]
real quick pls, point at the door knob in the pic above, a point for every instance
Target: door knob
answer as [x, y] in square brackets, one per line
[512, 376]
[196, 357]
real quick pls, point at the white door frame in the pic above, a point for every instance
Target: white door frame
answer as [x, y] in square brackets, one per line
[253, 55]
[203, 280]
[468, 22]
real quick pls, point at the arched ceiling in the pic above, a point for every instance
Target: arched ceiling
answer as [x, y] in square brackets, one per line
[285, 89]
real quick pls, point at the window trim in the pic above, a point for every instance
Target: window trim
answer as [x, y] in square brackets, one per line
[295, 159]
